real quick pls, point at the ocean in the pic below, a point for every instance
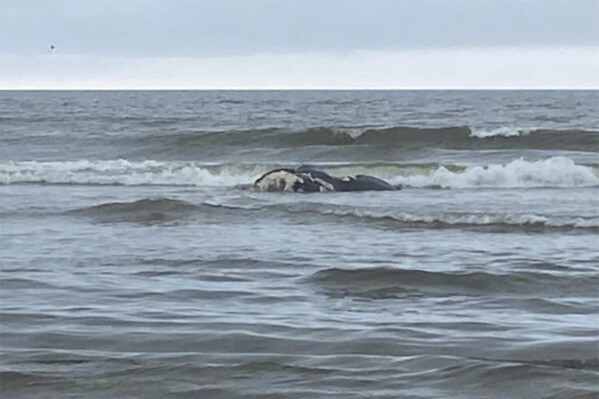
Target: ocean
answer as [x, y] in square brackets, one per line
[137, 263]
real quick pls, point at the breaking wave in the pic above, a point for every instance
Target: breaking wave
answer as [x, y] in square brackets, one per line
[453, 137]
[550, 172]
[122, 172]
[504, 131]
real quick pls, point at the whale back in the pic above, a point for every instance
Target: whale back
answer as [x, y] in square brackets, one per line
[367, 183]
[309, 179]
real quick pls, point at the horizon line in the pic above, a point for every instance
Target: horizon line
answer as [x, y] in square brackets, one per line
[307, 89]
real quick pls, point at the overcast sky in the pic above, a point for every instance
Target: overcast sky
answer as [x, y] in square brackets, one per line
[299, 43]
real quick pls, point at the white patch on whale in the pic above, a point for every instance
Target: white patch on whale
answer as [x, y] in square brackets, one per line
[278, 181]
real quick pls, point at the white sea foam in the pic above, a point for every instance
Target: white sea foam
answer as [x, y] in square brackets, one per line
[504, 131]
[551, 172]
[116, 172]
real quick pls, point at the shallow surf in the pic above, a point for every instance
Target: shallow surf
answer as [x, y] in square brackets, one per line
[136, 261]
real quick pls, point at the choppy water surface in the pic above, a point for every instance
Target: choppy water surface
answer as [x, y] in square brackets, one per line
[136, 265]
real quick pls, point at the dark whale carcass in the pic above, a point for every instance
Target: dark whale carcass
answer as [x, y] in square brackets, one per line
[308, 179]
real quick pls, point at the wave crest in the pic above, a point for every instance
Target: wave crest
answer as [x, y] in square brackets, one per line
[504, 131]
[551, 172]
[121, 172]
[405, 137]
[433, 219]
[478, 221]
[391, 282]
[147, 210]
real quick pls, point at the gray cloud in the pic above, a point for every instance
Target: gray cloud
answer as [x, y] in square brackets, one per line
[163, 28]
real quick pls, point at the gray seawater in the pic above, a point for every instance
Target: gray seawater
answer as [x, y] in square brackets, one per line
[137, 264]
